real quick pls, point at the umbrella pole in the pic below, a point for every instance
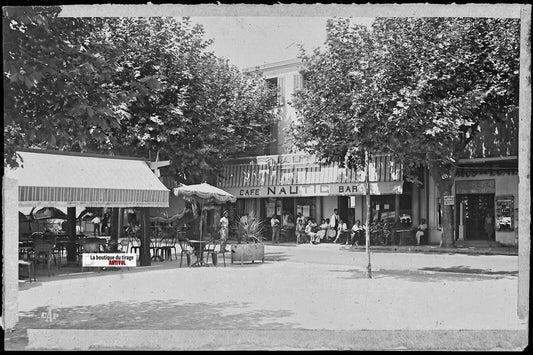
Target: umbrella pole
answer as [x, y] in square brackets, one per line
[201, 218]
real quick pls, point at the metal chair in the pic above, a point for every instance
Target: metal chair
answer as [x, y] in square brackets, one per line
[220, 250]
[155, 247]
[43, 252]
[186, 249]
[92, 245]
[124, 245]
[135, 244]
[168, 244]
[210, 249]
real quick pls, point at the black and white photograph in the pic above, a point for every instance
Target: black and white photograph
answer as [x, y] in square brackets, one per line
[279, 177]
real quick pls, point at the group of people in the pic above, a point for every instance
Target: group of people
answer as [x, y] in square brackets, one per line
[333, 230]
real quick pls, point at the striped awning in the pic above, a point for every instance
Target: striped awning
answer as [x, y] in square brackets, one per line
[77, 180]
[302, 175]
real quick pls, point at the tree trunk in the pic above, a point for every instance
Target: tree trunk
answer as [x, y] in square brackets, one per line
[367, 223]
[444, 178]
[145, 258]
[71, 246]
[114, 228]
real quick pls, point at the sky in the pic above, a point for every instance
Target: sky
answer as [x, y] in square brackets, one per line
[248, 36]
[252, 35]
[249, 41]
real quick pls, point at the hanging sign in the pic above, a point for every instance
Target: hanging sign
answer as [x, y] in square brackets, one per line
[449, 200]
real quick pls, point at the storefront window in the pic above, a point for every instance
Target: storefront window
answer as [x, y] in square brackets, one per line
[306, 206]
[505, 213]
[382, 208]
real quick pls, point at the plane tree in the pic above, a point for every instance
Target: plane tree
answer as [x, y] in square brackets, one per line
[416, 88]
[127, 86]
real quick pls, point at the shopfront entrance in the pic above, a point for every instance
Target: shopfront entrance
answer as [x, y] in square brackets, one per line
[473, 208]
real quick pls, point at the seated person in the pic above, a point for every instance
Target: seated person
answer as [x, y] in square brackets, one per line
[322, 229]
[421, 230]
[331, 233]
[311, 231]
[342, 232]
[356, 233]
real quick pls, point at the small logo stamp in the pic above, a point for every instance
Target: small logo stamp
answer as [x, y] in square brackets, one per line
[50, 315]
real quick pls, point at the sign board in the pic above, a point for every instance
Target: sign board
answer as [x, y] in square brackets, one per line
[109, 259]
[449, 200]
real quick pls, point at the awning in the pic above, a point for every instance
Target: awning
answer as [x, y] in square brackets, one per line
[76, 180]
[293, 175]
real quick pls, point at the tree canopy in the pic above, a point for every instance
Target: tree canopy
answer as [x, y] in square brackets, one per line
[131, 86]
[416, 88]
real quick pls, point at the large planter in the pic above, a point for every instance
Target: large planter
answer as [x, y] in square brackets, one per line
[247, 252]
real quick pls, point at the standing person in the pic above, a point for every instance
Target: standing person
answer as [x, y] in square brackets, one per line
[300, 227]
[489, 226]
[96, 223]
[275, 224]
[224, 226]
[105, 220]
[287, 224]
[334, 219]
[420, 230]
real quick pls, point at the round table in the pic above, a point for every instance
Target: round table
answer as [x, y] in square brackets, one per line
[199, 246]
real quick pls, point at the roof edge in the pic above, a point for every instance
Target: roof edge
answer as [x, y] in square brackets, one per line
[78, 154]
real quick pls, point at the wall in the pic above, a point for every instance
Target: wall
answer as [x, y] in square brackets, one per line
[10, 232]
[504, 185]
[329, 204]
[289, 77]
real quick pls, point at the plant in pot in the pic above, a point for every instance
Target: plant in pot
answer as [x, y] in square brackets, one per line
[249, 246]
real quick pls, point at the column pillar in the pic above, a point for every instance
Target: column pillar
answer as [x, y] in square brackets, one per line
[524, 164]
[415, 205]
[397, 208]
[10, 267]
[72, 251]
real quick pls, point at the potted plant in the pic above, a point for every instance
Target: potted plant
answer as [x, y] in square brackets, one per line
[249, 245]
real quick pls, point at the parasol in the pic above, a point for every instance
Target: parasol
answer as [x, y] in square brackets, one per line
[49, 213]
[204, 194]
[25, 219]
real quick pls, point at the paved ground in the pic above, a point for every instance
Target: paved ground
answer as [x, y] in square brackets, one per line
[292, 301]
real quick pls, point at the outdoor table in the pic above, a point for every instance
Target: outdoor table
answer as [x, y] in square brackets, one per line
[155, 244]
[405, 235]
[199, 246]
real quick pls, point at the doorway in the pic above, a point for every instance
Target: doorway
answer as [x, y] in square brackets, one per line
[471, 217]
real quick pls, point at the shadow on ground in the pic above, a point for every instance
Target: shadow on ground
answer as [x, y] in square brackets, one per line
[431, 274]
[156, 314]
[277, 256]
[160, 314]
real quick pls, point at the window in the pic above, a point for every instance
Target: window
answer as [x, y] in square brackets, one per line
[277, 84]
[298, 82]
